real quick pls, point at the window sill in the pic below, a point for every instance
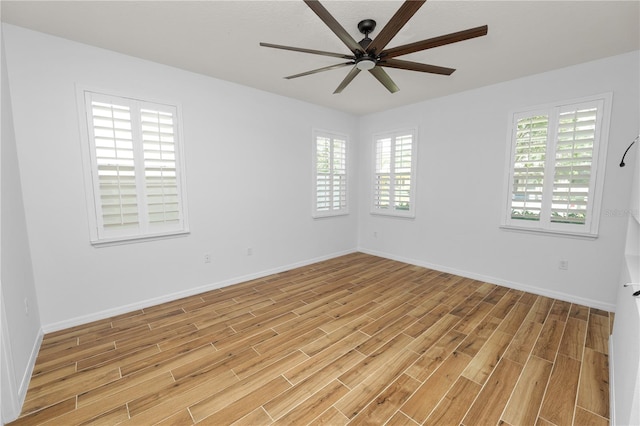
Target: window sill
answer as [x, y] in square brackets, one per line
[108, 242]
[329, 215]
[549, 232]
[394, 215]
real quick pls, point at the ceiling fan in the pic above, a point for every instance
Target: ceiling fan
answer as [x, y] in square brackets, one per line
[370, 55]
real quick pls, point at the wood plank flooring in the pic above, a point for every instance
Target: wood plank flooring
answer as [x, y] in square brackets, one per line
[352, 340]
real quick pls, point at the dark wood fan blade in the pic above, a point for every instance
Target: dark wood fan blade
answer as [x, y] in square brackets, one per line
[415, 66]
[384, 78]
[395, 24]
[333, 25]
[435, 42]
[352, 74]
[330, 67]
[314, 52]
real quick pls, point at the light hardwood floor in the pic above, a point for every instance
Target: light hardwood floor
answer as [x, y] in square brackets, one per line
[356, 339]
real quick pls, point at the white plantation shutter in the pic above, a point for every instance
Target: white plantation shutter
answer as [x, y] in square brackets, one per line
[402, 167]
[339, 174]
[115, 166]
[160, 171]
[554, 182]
[528, 167]
[330, 171]
[137, 182]
[382, 183]
[393, 188]
[573, 164]
[323, 174]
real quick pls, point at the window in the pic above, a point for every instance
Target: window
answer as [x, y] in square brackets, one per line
[135, 180]
[556, 167]
[394, 174]
[330, 174]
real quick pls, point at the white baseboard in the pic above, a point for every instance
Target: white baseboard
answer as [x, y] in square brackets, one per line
[13, 393]
[72, 322]
[498, 281]
[26, 378]
[612, 396]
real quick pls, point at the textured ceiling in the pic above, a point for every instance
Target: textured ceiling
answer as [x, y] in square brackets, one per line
[221, 39]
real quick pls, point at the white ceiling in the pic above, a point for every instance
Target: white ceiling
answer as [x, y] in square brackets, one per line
[220, 39]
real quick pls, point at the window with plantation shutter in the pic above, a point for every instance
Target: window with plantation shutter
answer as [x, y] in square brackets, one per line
[135, 179]
[557, 167]
[394, 174]
[330, 174]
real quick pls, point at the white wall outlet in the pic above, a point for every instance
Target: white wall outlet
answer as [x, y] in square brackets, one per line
[249, 251]
[375, 234]
[207, 258]
[563, 265]
[26, 306]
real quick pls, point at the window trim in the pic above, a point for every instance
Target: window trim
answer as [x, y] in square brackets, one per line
[589, 230]
[407, 214]
[97, 237]
[315, 213]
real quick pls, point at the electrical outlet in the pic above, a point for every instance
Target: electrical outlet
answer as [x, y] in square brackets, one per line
[249, 251]
[375, 234]
[207, 258]
[563, 265]
[26, 306]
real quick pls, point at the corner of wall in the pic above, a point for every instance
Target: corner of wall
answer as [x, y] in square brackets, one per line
[21, 331]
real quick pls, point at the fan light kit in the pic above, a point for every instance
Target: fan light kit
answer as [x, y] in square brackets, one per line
[365, 64]
[370, 55]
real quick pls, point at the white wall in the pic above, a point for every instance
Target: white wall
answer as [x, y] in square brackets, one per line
[248, 169]
[460, 184]
[21, 334]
